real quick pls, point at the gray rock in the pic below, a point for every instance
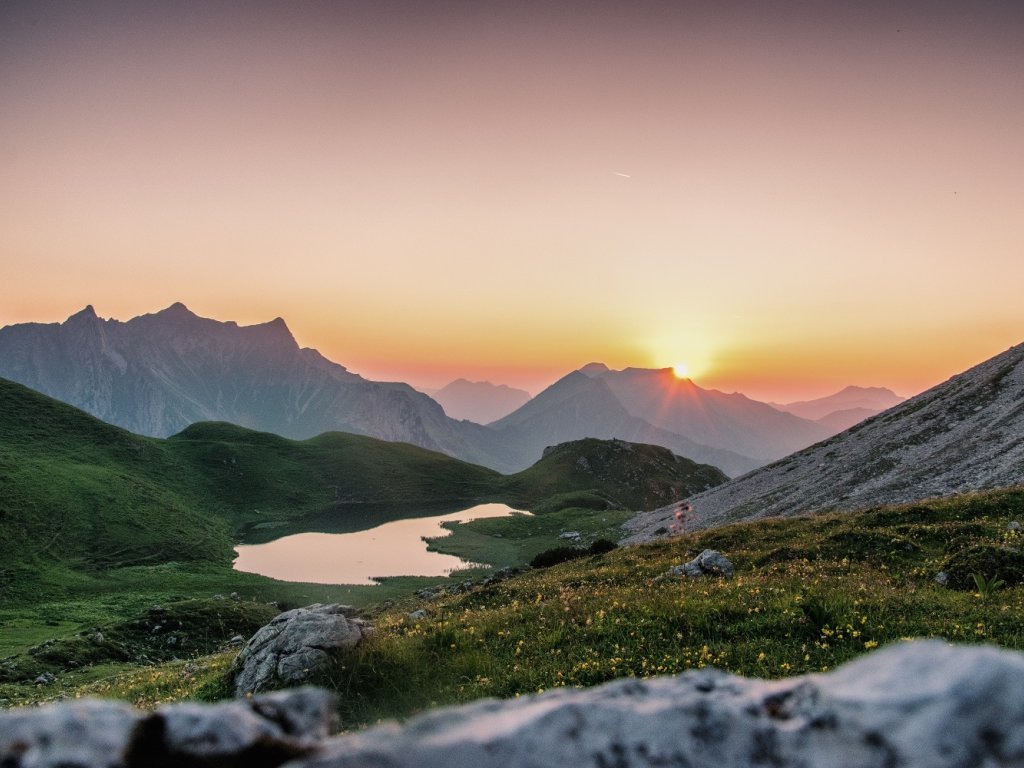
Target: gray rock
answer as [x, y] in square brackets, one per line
[265, 730]
[281, 725]
[942, 578]
[913, 705]
[416, 615]
[574, 535]
[297, 643]
[710, 562]
[80, 734]
[46, 678]
[1013, 525]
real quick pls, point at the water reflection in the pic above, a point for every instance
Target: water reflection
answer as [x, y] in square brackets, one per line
[393, 549]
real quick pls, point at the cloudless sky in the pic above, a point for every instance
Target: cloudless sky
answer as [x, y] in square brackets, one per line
[788, 197]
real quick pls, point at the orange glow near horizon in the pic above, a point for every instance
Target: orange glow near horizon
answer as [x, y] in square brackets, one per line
[790, 199]
[681, 370]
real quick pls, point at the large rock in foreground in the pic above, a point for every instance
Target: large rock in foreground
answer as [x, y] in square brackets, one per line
[297, 643]
[264, 731]
[914, 705]
[919, 704]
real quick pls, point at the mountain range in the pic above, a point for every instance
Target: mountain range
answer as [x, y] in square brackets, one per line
[157, 373]
[966, 434]
[845, 408]
[479, 401]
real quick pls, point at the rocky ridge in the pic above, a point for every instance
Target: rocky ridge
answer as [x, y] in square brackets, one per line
[913, 705]
[963, 435]
[158, 373]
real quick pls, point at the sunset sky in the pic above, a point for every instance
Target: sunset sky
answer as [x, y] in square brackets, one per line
[788, 197]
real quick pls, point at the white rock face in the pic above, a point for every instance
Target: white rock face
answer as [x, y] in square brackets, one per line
[963, 435]
[924, 704]
[297, 643]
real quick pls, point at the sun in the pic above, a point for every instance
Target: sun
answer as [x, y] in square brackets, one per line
[681, 370]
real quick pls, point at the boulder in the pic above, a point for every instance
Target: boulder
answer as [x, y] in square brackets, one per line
[912, 705]
[90, 733]
[710, 562]
[921, 704]
[295, 645]
[263, 731]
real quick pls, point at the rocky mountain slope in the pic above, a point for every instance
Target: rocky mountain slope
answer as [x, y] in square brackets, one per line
[156, 374]
[965, 434]
[479, 401]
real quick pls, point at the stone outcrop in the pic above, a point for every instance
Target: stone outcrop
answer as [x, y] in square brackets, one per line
[295, 645]
[922, 704]
[710, 562]
[263, 731]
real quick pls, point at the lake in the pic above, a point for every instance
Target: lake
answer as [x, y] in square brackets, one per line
[395, 548]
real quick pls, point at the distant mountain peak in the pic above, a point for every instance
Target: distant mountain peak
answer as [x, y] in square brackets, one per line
[177, 309]
[88, 313]
[274, 330]
[479, 401]
[594, 369]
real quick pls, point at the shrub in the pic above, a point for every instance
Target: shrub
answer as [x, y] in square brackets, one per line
[1002, 563]
[557, 555]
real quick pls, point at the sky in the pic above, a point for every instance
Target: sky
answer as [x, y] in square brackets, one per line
[786, 197]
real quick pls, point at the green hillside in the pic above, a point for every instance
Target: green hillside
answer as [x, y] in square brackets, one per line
[808, 594]
[84, 496]
[625, 475]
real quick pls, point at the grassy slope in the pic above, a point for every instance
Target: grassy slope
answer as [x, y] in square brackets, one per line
[98, 524]
[586, 486]
[809, 593]
[81, 496]
[78, 495]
